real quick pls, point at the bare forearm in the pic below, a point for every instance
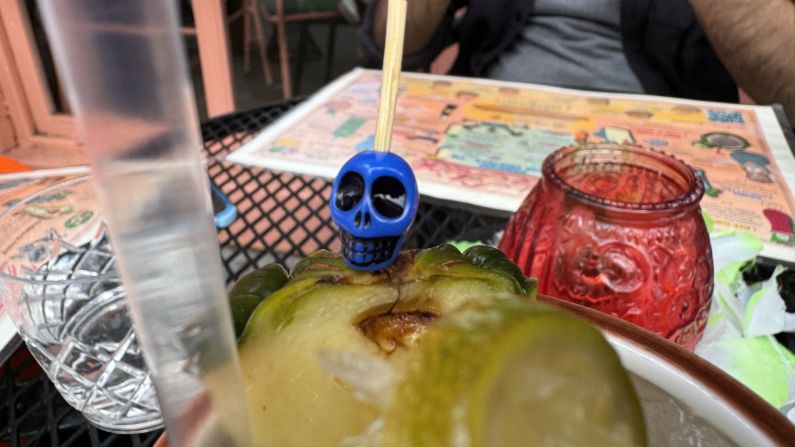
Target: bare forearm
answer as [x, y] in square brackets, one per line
[755, 40]
[422, 19]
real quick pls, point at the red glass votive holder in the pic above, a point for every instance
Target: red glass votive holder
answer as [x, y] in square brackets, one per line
[619, 229]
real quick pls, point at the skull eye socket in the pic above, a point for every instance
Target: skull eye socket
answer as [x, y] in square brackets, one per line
[349, 191]
[388, 196]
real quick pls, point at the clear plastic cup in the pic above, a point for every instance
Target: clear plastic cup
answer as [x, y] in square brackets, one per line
[59, 284]
[124, 71]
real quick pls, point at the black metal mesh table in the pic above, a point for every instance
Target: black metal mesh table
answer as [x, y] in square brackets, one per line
[281, 217]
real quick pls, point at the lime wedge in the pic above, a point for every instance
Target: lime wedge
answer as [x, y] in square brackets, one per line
[511, 374]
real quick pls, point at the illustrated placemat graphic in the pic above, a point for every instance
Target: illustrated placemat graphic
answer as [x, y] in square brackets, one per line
[483, 142]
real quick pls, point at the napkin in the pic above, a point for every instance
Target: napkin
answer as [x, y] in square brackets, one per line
[743, 319]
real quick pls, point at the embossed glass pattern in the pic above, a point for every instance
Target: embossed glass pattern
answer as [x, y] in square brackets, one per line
[59, 284]
[619, 229]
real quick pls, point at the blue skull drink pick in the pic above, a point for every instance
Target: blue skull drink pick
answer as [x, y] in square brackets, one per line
[374, 200]
[374, 197]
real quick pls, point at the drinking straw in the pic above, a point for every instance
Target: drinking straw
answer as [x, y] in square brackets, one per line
[124, 70]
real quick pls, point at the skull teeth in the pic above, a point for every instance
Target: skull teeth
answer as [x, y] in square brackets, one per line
[368, 251]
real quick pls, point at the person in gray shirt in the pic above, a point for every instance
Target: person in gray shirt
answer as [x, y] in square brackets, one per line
[569, 43]
[700, 49]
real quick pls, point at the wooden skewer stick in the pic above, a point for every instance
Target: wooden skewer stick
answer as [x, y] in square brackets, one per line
[393, 60]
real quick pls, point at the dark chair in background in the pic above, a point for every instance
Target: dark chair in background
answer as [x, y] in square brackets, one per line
[281, 13]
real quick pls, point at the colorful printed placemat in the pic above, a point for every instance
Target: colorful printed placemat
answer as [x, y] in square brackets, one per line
[483, 142]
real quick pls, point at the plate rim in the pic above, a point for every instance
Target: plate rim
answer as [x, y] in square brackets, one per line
[750, 406]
